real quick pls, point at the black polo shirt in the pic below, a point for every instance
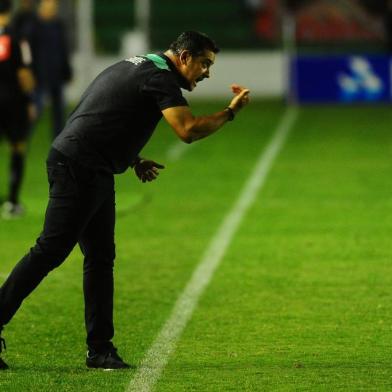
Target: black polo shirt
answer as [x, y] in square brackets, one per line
[119, 112]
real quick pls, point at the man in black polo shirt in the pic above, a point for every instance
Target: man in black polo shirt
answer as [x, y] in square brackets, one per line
[104, 136]
[16, 83]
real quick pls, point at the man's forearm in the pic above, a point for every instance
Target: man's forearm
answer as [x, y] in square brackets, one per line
[190, 128]
[204, 126]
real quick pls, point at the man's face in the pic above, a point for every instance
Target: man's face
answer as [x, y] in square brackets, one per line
[195, 69]
[48, 9]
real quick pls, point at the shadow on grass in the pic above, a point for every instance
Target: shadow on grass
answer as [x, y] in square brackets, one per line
[63, 369]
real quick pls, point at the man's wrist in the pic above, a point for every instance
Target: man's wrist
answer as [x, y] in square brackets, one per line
[136, 161]
[230, 113]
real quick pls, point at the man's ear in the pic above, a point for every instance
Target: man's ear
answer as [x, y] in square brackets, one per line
[185, 55]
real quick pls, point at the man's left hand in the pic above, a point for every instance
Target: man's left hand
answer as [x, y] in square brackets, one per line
[147, 170]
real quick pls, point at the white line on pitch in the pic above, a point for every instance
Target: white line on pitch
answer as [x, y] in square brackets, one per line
[177, 150]
[158, 355]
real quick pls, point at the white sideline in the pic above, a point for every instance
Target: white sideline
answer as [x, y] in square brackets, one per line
[158, 355]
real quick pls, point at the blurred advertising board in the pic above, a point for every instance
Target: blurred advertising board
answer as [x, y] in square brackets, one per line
[341, 78]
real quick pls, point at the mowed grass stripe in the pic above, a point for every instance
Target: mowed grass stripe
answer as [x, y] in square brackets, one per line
[159, 353]
[301, 301]
[302, 298]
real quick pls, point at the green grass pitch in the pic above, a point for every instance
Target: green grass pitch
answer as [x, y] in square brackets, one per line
[302, 298]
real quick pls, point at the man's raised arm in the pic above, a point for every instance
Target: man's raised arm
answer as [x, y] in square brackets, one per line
[190, 128]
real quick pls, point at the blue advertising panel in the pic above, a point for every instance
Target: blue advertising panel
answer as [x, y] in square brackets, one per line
[340, 79]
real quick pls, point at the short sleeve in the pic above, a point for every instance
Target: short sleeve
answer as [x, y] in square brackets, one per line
[163, 88]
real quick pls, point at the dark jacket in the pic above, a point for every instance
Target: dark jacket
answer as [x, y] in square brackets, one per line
[50, 53]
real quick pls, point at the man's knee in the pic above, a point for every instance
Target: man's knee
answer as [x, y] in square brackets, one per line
[51, 255]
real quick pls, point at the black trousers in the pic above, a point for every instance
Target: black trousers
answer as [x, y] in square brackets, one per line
[81, 209]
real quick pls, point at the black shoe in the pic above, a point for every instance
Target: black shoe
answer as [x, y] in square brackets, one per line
[3, 365]
[109, 360]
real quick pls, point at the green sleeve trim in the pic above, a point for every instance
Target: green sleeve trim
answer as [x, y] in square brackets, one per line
[158, 61]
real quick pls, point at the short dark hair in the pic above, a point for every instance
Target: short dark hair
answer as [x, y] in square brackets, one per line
[193, 41]
[5, 6]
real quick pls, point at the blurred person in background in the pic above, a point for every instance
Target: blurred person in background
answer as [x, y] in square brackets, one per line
[16, 110]
[104, 135]
[51, 65]
[24, 19]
